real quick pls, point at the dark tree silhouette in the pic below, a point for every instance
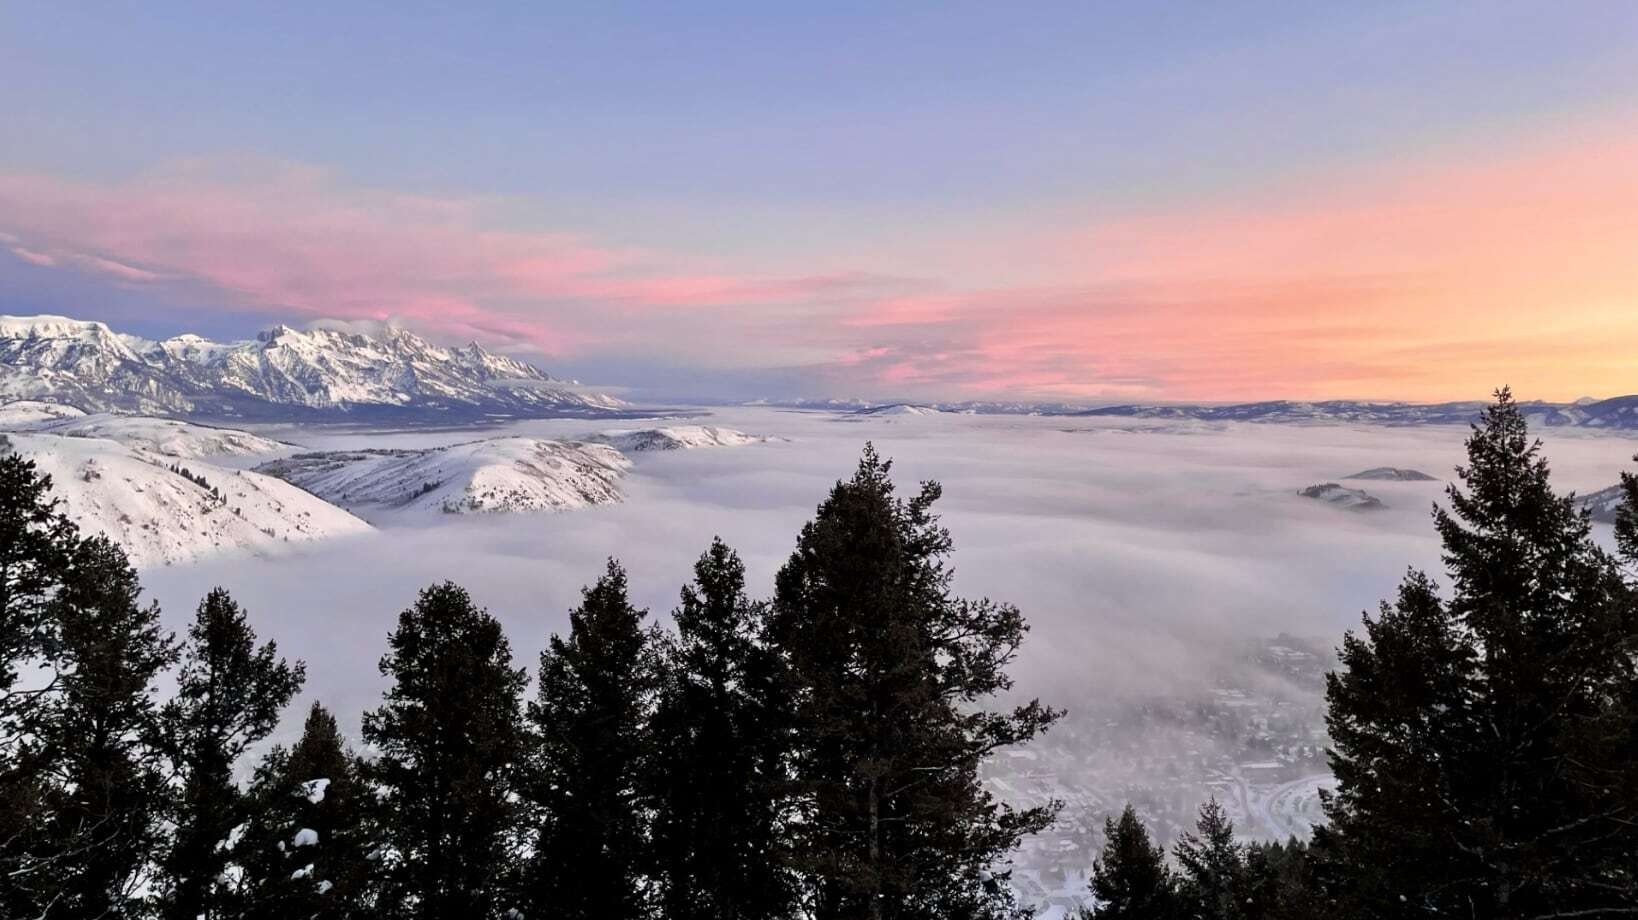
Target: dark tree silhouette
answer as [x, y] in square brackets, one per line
[885, 675]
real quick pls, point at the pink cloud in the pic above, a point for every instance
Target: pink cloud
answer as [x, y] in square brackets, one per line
[33, 258]
[1435, 279]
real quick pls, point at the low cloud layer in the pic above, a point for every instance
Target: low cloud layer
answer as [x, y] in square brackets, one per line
[1137, 554]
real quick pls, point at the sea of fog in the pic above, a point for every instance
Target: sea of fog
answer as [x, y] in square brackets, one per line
[1138, 551]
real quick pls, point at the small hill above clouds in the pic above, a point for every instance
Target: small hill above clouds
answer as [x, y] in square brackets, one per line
[676, 437]
[283, 372]
[892, 412]
[494, 475]
[1393, 474]
[497, 475]
[163, 511]
[1342, 497]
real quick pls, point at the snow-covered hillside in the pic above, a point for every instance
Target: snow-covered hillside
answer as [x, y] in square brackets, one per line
[162, 513]
[25, 414]
[283, 370]
[495, 475]
[676, 437]
[1604, 503]
[898, 410]
[1342, 497]
[167, 437]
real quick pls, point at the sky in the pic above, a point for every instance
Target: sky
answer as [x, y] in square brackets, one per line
[1076, 201]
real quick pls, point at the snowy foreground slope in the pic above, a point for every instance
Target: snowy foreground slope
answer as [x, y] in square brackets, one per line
[162, 515]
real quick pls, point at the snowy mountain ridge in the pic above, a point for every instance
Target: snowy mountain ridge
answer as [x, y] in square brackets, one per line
[495, 475]
[499, 475]
[315, 372]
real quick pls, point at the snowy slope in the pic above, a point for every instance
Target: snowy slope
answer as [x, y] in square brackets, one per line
[167, 437]
[1341, 497]
[162, 516]
[24, 414]
[496, 475]
[899, 410]
[676, 437]
[282, 370]
[1604, 503]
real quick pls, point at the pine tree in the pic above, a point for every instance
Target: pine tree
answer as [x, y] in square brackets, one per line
[36, 540]
[1214, 884]
[100, 740]
[1626, 519]
[1130, 878]
[1483, 753]
[36, 543]
[591, 721]
[1283, 884]
[718, 747]
[885, 674]
[449, 737]
[314, 787]
[229, 696]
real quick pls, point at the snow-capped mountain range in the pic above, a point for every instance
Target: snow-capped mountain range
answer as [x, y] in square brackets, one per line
[1617, 413]
[1621, 412]
[282, 373]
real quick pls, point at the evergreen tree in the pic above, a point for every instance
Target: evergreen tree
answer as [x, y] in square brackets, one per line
[36, 542]
[449, 737]
[229, 696]
[1130, 878]
[314, 787]
[1626, 519]
[1283, 884]
[105, 791]
[1482, 748]
[718, 746]
[591, 721]
[885, 674]
[1214, 884]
